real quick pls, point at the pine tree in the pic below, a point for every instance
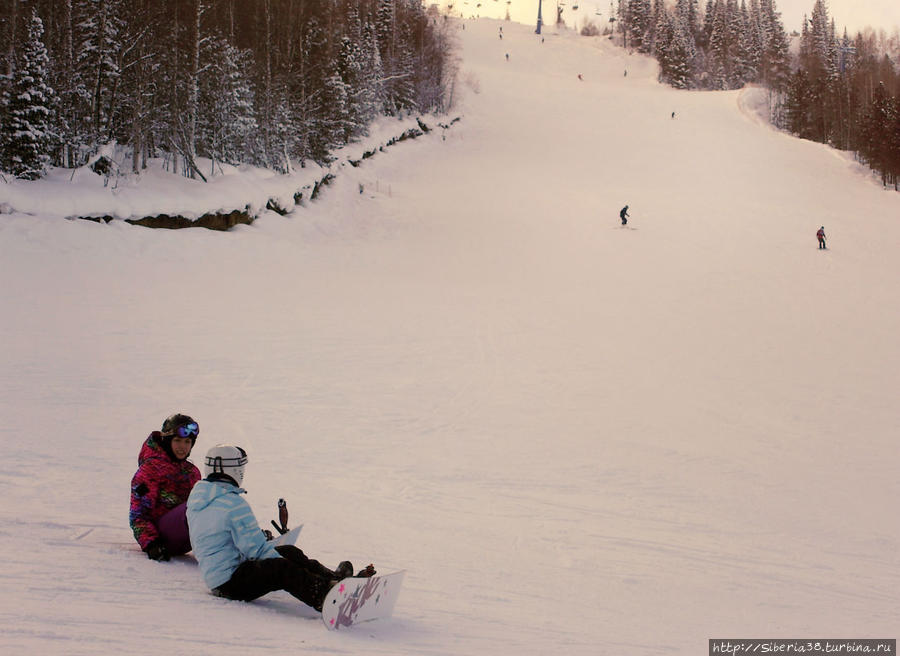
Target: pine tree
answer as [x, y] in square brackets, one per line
[754, 40]
[26, 139]
[707, 27]
[658, 21]
[676, 51]
[683, 55]
[68, 89]
[745, 68]
[775, 68]
[877, 124]
[640, 25]
[818, 57]
[227, 121]
[97, 65]
[893, 140]
[799, 98]
[359, 97]
[721, 47]
[662, 40]
[688, 11]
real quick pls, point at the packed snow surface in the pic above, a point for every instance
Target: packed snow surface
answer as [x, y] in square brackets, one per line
[577, 438]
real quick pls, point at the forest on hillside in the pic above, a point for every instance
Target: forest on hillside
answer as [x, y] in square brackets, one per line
[840, 90]
[265, 82]
[276, 82]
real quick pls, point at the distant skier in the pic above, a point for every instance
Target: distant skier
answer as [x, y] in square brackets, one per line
[624, 215]
[580, 77]
[820, 234]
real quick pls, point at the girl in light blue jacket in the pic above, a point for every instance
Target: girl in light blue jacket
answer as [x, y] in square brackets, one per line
[236, 560]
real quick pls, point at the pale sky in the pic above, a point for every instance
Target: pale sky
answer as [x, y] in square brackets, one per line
[852, 14]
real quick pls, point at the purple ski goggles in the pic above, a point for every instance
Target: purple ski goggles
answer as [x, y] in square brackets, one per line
[187, 430]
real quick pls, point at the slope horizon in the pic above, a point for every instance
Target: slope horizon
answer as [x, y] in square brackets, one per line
[575, 437]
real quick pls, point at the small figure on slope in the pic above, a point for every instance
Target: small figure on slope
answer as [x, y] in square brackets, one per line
[235, 559]
[820, 235]
[160, 488]
[623, 214]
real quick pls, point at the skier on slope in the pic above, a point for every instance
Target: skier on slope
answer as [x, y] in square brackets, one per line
[160, 488]
[235, 559]
[820, 235]
[623, 214]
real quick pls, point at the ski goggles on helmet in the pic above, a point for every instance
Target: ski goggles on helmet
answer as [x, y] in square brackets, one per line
[187, 430]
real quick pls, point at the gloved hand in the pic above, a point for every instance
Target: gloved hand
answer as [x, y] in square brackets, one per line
[156, 550]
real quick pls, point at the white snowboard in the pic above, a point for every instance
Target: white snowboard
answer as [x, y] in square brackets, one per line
[356, 600]
[288, 538]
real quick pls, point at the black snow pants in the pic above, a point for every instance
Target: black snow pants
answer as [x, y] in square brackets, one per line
[304, 578]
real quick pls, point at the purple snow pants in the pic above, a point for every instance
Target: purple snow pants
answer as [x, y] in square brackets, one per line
[173, 529]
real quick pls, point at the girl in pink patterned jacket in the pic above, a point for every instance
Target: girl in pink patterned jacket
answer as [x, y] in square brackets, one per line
[161, 486]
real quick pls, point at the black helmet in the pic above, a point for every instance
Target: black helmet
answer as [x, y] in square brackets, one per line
[181, 425]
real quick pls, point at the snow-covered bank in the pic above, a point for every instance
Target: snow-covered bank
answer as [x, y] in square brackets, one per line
[159, 198]
[576, 438]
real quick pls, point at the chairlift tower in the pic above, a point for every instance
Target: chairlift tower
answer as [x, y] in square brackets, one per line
[540, 20]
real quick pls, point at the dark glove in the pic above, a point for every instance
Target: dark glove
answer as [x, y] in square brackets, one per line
[156, 550]
[368, 570]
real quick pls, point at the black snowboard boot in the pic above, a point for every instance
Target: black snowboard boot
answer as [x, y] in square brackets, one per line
[344, 570]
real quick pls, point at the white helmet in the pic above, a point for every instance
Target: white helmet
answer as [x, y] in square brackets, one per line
[225, 461]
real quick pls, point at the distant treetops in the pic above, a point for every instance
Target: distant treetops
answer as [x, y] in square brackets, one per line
[840, 91]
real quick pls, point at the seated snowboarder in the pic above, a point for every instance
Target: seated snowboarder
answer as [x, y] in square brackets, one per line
[160, 488]
[820, 234]
[236, 560]
[623, 214]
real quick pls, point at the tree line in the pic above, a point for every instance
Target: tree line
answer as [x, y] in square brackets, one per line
[265, 82]
[840, 91]
[724, 47]
[846, 92]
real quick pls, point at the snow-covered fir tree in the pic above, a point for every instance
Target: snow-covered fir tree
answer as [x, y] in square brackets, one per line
[227, 120]
[688, 12]
[775, 57]
[722, 46]
[359, 96]
[746, 55]
[680, 54]
[640, 25]
[26, 140]
[707, 26]
[879, 121]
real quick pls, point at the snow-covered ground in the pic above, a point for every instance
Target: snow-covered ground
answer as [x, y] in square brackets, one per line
[577, 438]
